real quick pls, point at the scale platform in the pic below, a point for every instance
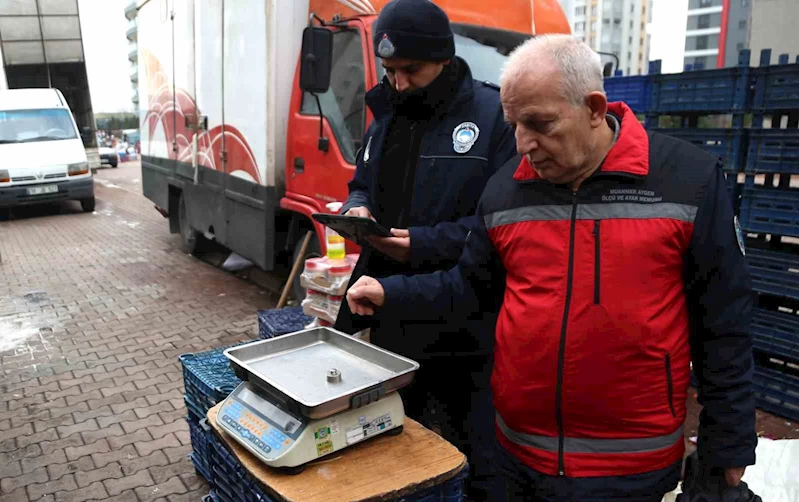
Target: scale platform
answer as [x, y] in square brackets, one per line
[311, 393]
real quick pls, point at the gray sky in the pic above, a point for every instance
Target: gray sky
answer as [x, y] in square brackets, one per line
[104, 25]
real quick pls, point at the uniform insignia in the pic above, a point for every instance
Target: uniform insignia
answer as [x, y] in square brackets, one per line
[464, 137]
[366, 151]
[386, 48]
[740, 236]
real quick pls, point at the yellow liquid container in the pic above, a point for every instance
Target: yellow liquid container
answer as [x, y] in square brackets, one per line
[335, 243]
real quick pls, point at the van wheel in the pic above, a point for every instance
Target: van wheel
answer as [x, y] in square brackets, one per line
[114, 163]
[87, 204]
[313, 251]
[190, 237]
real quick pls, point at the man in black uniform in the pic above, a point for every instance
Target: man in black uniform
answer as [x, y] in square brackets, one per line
[437, 137]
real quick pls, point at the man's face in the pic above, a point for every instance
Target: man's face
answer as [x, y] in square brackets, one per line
[555, 135]
[408, 75]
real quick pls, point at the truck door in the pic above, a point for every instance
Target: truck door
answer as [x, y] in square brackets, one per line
[323, 175]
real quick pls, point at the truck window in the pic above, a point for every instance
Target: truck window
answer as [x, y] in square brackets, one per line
[28, 126]
[343, 104]
[484, 60]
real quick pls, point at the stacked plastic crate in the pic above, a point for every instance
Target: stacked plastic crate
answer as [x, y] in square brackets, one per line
[770, 216]
[208, 379]
[689, 96]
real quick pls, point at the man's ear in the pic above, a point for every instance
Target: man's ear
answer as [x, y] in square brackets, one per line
[597, 102]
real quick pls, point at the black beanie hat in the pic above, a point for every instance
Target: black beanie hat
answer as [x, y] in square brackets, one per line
[413, 29]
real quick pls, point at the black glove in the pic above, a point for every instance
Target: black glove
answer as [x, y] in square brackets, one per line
[707, 484]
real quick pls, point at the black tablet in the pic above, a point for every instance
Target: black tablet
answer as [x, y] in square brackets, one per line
[354, 228]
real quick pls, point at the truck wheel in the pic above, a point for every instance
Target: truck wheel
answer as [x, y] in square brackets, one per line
[5, 213]
[87, 204]
[189, 236]
[313, 251]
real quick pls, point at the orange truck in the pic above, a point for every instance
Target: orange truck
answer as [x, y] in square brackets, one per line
[232, 147]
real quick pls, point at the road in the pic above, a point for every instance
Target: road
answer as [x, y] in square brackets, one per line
[94, 311]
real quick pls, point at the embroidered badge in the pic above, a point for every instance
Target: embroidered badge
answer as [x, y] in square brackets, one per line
[464, 137]
[386, 48]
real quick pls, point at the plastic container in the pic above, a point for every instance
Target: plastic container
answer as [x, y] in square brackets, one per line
[339, 273]
[315, 268]
[334, 304]
[327, 276]
[336, 249]
[317, 299]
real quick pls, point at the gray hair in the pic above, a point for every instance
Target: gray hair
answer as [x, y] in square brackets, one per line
[580, 67]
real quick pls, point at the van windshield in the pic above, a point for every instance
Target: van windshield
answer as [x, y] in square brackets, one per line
[28, 126]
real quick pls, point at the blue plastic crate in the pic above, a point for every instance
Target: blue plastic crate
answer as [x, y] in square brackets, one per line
[724, 90]
[773, 272]
[201, 467]
[776, 88]
[777, 392]
[728, 144]
[773, 151]
[633, 90]
[200, 433]
[232, 479]
[771, 211]
[776, 333]
[208, 378]
[196, 412]
[277, 322]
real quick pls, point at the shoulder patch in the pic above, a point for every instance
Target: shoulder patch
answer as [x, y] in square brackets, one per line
[490, 84]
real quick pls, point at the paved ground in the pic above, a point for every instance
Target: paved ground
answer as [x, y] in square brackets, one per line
[94, 311]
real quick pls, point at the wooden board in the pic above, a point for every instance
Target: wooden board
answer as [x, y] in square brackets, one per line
[382, 468]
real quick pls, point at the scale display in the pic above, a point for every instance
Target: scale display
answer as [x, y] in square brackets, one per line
[261, 426]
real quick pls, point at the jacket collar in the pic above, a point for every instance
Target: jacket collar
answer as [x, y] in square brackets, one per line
[377, 101]
[629, 156]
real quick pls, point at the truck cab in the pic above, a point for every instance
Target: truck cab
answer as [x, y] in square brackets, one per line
[316, 172]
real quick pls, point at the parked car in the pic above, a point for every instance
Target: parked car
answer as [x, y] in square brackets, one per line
[109, 156]
[42, 157]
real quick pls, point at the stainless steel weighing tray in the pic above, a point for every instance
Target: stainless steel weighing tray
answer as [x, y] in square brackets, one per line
[294, 370]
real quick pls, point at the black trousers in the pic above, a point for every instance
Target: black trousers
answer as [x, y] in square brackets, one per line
[523, 484]
[452, 396]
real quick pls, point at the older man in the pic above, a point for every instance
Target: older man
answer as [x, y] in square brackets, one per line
[613, 257]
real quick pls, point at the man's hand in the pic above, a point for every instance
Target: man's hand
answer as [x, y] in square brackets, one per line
[360, 212]
[365, 295]
[733, 476]
[397, 247]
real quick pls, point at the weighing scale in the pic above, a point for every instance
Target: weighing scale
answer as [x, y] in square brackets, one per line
[312, 393]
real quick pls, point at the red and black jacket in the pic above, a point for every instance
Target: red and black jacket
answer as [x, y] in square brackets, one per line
[602, 294]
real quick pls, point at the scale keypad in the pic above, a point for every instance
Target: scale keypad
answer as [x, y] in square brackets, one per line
[254, 429]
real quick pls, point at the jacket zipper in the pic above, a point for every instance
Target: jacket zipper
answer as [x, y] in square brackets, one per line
[597, 262]
[562, 350]
[670, 385]
[401, 218]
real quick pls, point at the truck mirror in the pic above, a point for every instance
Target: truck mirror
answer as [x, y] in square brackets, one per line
[316, 59]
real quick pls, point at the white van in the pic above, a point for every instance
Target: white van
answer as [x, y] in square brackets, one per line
[42, 158]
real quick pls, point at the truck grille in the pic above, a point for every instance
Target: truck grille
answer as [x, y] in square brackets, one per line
[55, 176]
[24, 178]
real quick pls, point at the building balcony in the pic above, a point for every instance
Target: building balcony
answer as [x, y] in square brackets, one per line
[132, 30]
[131, 11]
[133, 55]
[134, 74]
[701, 53]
